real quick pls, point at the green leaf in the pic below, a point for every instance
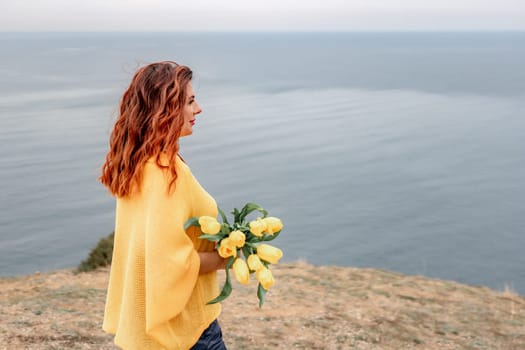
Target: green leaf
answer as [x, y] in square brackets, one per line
[225, 230]
[251, 238]
[249, 208]
[251, 245]
[246, 251]
[213, 238]
[227, 288]
[224, 218]
[268, 238]
[261, 294]
[225, 292]
[235, 213]
[194, 221]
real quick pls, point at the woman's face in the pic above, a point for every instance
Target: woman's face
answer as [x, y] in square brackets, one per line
[190, 110]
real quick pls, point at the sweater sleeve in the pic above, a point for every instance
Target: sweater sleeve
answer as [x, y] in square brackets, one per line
[171, 261]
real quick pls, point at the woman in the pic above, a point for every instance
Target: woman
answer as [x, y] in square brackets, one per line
[161, 276]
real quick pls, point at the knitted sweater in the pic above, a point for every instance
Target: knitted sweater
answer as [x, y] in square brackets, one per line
[156, 298]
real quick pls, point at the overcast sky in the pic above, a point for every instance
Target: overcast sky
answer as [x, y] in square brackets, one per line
[249, 15]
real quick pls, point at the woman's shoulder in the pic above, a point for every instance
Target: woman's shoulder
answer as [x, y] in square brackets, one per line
[157, 172]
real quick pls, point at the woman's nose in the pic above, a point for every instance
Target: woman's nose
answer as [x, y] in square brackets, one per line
[197, 108]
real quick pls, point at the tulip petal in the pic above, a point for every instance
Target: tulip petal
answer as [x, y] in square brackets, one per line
[241, 272]
[269, 253]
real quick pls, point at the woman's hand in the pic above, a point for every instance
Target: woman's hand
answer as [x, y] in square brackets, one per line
[210, 262]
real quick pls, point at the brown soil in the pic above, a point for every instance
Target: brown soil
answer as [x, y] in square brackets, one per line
[308, 308]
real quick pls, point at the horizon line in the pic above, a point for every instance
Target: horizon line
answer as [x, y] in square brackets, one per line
[249, 31]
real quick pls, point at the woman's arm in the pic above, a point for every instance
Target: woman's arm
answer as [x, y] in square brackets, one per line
[210, 262]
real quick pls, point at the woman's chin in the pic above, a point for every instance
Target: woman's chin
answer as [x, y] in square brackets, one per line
[186, 133]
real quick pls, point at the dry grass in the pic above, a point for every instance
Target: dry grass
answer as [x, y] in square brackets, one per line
[309, 308]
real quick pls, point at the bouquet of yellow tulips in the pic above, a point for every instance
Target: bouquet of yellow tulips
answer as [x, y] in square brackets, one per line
[244, 236]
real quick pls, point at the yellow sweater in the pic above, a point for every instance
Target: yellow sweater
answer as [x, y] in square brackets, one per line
[156, 297]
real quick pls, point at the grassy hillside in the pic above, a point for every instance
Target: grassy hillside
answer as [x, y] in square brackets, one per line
[309, 308]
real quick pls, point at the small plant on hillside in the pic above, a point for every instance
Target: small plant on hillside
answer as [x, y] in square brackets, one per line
[99, 256]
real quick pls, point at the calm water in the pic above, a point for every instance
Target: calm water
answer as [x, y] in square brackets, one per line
[402, 151]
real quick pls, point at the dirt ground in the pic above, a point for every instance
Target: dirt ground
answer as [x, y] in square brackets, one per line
[309, 307]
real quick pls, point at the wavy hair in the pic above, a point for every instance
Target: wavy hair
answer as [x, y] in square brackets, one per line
[150, 122]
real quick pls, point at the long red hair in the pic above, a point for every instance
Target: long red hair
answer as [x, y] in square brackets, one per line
[149, 122]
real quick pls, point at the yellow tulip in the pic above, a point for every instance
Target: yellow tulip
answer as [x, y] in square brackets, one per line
[238, 238]
[257, 227]
[273, 225]
[241, 272]
[254, 263]
[227, 248]
[269, 253]
[265, 278]
[209, 225]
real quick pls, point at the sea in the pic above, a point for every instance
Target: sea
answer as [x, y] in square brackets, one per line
[402, 151]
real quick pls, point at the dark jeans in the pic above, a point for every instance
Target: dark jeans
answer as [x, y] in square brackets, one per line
[211, 338]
